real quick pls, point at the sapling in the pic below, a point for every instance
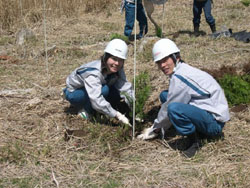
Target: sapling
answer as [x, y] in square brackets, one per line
[142, 91]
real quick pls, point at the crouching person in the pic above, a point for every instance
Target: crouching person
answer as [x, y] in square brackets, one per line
[97, 85]
[194, 102]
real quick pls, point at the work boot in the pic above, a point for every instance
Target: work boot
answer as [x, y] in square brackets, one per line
[196, 30]
[213, 28]
[194, 146]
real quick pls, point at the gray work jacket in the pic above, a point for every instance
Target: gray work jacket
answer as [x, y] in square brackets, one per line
[90, 77]
[192, 86]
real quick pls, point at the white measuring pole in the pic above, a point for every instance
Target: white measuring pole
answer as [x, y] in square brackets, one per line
[45, 37]
[134, 67]
[163, 14]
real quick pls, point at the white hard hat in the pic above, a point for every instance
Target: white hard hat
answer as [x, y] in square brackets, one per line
[163, 48]
[118, 48]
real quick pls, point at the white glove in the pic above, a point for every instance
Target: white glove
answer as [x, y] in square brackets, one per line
[122, 118]
[147, 134]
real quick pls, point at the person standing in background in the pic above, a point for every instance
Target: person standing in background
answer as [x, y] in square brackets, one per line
[129, 6]
[198, 5]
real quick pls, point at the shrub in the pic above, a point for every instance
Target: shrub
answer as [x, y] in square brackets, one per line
[118, 36]
[142, 92]
[245, 2]
[158, 31]
[236, 88]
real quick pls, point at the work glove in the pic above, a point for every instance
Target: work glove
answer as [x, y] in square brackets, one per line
[147, 134]
[122, 118]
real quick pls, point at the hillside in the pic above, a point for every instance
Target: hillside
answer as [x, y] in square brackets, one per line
[34, 151]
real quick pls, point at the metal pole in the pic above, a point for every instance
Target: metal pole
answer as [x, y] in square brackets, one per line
[45, 37]
[134, 68]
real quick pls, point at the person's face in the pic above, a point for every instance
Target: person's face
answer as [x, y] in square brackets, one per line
[114, 64]
[166, 65]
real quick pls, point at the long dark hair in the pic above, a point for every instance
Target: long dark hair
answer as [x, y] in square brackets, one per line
[104, 59]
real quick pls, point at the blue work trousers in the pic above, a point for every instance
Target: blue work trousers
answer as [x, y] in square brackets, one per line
[130, 19]
[187, 118]
[197, 10]
[80, 99]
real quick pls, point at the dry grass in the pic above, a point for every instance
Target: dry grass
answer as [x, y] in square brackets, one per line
[33, 118]
[28, 12]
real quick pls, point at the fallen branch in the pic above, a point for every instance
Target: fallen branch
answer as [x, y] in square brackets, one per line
[229, 51]
[54, 179]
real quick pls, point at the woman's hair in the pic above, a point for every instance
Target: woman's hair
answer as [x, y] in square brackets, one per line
[104, 59]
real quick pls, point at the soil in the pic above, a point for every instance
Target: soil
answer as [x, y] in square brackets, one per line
[44, 143]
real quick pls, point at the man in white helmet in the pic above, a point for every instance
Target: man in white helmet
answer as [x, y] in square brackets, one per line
[98, 85]
[194, 102]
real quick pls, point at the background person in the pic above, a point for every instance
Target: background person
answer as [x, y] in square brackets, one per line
[97, 85]
[129, 6]
[194, 102]
[198, 5]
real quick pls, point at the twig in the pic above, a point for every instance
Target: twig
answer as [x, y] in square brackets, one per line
[10, 96]
[229, 51]
[164, 143]
[54, 178]
[42, 88]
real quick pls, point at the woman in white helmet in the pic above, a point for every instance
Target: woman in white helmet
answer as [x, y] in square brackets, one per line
[97, 85]
[194, 102]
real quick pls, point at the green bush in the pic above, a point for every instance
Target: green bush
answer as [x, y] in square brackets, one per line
[236, 88]
[245, 2]
[158, 31]
[118, 36]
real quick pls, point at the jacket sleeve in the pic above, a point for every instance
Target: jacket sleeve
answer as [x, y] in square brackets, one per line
[93, 87]
[124, 86]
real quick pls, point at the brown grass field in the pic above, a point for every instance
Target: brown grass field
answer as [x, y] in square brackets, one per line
[34, 118]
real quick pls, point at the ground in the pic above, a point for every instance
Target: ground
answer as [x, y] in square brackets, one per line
[36, 152]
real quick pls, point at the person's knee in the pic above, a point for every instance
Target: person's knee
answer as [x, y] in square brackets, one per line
[184, 130]
[163, 96]
[105, 90]
[68, 96]
[173, 108]
[181, 123]
[173, 112]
